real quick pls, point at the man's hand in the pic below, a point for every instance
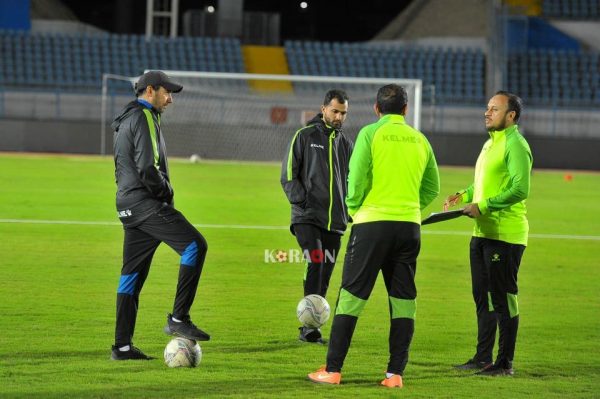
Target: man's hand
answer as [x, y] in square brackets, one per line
[472, 211]
[452, 200]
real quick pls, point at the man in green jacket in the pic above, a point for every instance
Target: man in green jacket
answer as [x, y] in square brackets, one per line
[496, 200]
[393, 176]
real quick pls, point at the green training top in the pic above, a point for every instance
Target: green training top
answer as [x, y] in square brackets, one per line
[502, 176]
[393, 173]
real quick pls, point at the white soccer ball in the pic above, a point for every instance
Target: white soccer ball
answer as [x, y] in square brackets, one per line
[182, 352]
[195, 158]
[313, 311]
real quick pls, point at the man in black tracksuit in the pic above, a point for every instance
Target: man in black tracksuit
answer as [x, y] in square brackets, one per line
[314, 177]
[145, 207]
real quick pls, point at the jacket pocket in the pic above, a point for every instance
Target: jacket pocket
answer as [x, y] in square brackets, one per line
[295, 192]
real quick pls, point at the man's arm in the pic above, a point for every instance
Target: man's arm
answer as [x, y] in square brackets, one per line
[518, 163]
[146, 160]
[359, 175]
[291, 171]
[430, 184]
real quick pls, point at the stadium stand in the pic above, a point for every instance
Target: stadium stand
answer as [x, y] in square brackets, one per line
[579, 9]
[555, 77]
[76, 63]
[458, 75]
[51, 72]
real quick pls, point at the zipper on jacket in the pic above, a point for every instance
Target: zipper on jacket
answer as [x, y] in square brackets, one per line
[331, 137]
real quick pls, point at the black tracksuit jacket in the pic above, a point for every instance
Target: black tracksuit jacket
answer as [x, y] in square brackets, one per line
[141, 168]
[314, 176]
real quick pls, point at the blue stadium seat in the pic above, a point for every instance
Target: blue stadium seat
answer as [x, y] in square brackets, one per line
[76, 63]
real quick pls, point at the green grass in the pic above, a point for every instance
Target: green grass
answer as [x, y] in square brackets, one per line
[58, 284]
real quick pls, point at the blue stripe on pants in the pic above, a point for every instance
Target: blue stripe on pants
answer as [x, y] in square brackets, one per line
[189, 255]
[127, 284]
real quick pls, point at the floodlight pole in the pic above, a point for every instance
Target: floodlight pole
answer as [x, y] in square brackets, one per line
[168, 9]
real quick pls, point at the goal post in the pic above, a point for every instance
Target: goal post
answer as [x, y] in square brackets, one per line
[232, 116]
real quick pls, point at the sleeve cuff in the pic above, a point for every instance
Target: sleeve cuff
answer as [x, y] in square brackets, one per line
[483, 207]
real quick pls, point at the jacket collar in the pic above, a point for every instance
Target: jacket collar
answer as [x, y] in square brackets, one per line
[329, 129]
[392, 118]
[498, 134]
[144, 103]
[320, 124]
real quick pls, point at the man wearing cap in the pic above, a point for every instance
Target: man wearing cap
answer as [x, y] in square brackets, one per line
[145, 207]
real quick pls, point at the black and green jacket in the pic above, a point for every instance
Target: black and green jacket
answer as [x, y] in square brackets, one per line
[314, 176]
[141, 168]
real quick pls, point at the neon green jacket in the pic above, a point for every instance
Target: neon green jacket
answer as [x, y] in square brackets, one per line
[502, 176]
[393, 173]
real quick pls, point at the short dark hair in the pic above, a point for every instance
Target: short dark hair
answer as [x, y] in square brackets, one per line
[338, 94]
[514, 103]
[392, 99]
[141, 90]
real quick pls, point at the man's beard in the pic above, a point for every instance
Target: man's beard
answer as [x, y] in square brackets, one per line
[334, 124]
[501, 126]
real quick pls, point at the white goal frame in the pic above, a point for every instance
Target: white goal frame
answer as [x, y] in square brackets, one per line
[416, 83]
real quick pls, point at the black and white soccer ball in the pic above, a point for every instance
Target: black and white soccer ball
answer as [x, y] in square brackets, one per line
[182, 352]
[313, 311]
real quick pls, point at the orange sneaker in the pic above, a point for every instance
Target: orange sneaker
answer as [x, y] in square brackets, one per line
[395, 381]
[322, 376]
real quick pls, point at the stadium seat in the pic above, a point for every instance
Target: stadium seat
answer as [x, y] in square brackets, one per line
[76, 63]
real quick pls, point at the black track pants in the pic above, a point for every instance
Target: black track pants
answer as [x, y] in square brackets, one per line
[170, 226]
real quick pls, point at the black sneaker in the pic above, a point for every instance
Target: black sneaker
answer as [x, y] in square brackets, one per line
[185, 329]
[472, 364]
[312, 335]
[132, 354]
[495, 370]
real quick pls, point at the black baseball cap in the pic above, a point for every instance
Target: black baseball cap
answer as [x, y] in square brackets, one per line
[157, 78]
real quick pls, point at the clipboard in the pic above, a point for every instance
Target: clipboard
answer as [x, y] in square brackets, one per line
[436, 217]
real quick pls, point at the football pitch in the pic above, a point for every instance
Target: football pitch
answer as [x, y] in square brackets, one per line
[60, 248]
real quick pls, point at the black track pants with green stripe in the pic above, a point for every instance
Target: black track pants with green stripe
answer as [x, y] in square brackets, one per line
[391, 247]
[494, 268]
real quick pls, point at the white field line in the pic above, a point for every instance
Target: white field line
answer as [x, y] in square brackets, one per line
[251, 227]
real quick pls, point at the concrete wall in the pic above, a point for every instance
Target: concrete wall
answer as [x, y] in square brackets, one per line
[450, 148]
[50, 136]
[243, 109]
[548, 152]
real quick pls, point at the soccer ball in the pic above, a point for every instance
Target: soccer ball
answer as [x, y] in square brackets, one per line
[313, 311]
[195, 158]
[182, 352]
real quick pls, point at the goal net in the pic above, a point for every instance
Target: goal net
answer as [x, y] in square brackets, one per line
[236, 116]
